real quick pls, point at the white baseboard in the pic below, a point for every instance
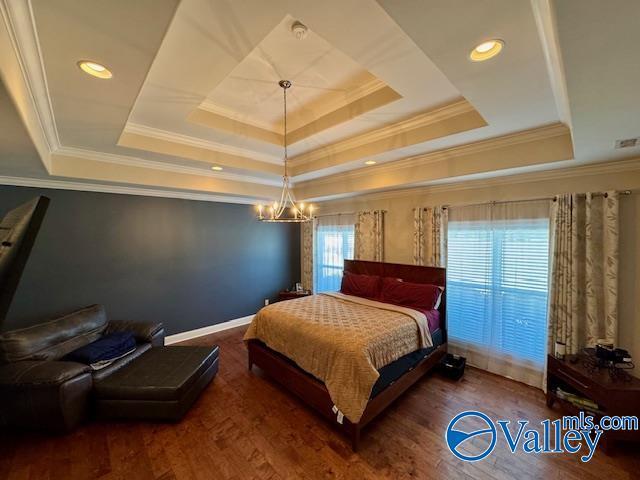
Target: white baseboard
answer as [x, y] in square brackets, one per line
[201, 332]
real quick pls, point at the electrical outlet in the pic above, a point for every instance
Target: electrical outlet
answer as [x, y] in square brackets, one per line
[266, 302]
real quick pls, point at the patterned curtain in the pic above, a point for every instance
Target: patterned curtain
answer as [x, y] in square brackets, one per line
[430, 236]
[584, 283]
[307, 255]
[369, 241]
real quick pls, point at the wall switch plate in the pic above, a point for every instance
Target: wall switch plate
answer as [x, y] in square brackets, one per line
[266, 302]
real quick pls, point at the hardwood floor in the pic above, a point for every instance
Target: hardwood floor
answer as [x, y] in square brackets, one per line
[245, 426]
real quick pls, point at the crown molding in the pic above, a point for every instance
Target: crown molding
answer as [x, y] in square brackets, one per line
[424, 119]
[164, 166]
[350, 96]
[165, 135]
[359, 92]
[596, 169]
[328, 117]
[347, 99]
[21, 28]
[536, 134]
[544, 16]
[119, 189]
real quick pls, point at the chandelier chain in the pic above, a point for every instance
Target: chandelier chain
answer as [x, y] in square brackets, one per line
[286, 154]
[277, 212]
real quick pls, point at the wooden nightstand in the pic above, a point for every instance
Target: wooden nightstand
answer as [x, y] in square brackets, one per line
[290, 295]
[614, 397]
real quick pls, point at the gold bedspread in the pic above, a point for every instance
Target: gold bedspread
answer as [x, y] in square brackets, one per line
[342, 340]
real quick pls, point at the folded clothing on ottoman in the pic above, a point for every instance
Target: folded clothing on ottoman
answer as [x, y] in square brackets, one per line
[105, 350]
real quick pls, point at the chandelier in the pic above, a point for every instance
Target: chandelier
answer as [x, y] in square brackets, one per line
[286, 210]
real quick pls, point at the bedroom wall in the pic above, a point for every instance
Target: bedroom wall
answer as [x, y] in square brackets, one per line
[188, 264]
[399, 220]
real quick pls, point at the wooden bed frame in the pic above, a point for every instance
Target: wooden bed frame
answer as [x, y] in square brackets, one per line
[315, 394]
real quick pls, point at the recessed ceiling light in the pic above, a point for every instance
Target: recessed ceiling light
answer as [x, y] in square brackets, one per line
[370, 162]
[216, 168]
[486, 50]
[95, 69]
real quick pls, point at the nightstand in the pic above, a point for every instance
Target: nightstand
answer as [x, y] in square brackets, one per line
[290, 295]
[614, 397]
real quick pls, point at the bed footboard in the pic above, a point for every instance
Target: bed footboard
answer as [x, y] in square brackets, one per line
[314, 393]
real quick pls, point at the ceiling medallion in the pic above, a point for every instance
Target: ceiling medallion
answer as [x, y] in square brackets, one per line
[285, 210]
[299, 30]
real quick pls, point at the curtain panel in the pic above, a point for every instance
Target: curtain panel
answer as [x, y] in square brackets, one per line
[307, 254]
[583, 307]
[369, 236]
[430, 236]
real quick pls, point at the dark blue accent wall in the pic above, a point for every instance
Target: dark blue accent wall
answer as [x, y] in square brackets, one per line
[185, 263]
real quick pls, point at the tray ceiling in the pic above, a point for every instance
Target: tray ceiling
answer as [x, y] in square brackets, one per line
[325, 79]
[195, 85]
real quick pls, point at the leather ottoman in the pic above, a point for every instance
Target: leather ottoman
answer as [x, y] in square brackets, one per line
[161, 384]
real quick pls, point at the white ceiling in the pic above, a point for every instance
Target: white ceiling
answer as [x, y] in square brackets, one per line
[567, 62]
[19, 156]
[512, 90]
[124, 36]
[322, 76]
[599, 44]
[227, 36]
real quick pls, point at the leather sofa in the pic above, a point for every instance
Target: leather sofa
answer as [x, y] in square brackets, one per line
[38, 389]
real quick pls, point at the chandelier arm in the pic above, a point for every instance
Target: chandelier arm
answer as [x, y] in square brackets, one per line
[292, 200]
[297, 211]
[283, 200]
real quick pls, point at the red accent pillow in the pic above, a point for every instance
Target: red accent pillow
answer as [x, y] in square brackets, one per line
[414, 295]
[367, 286]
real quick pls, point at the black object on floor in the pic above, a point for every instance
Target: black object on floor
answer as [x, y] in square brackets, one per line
[162, 384]
[452, 366]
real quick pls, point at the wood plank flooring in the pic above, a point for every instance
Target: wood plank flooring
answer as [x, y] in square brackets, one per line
[244, 426]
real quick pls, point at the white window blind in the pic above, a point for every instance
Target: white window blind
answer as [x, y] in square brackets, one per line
[497, 284]
[334, 240]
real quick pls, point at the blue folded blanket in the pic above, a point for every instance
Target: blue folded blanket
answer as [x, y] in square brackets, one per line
[104, 349]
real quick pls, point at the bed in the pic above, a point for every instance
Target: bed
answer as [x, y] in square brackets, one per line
[393, 375]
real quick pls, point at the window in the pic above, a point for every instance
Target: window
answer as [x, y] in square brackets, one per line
[334, 238]
[497, 284]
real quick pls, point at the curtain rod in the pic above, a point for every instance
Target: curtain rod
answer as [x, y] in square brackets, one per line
[334, 214]
[553, 199]
[347, 213]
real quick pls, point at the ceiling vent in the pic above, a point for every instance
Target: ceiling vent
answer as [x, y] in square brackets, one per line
[628, 142]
